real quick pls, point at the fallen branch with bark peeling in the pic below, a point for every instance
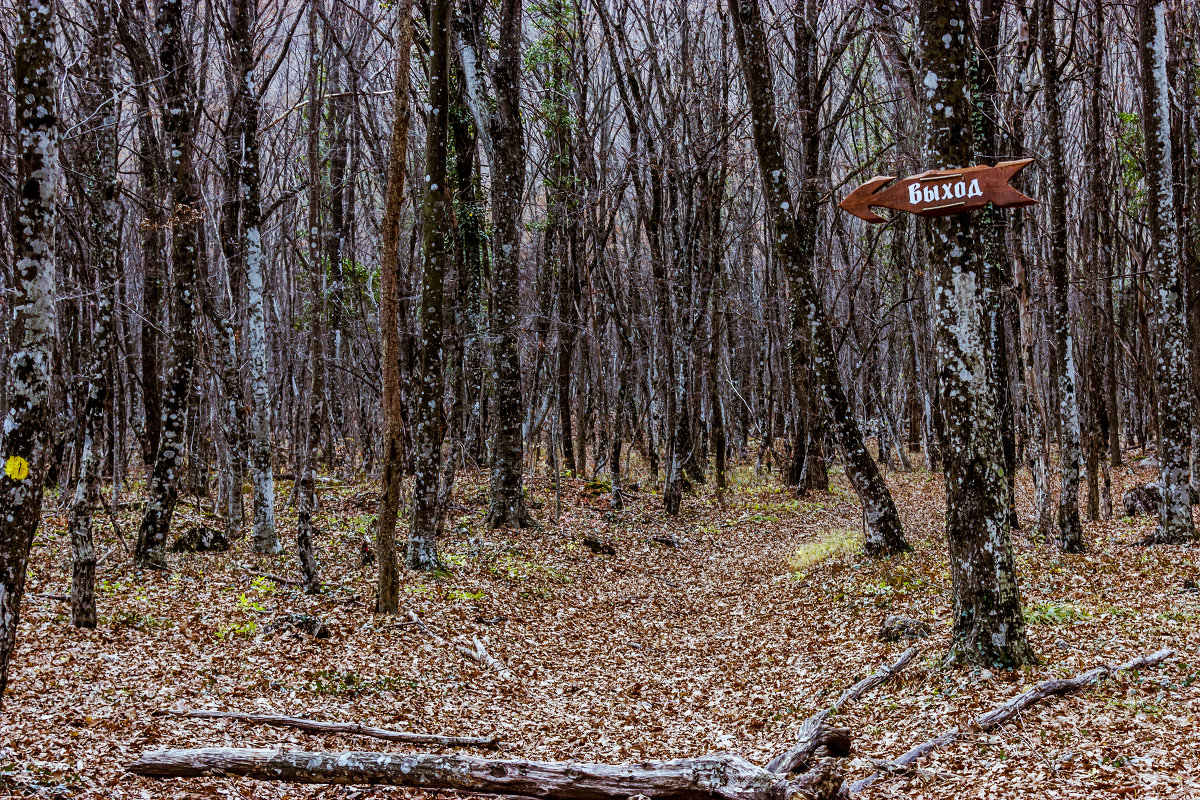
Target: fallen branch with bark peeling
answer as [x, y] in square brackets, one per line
[479, 654]
[816, 737]
[721, 776]
[353, 728]
[1011, 708]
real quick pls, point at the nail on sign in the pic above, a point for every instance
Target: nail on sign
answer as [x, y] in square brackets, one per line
[939, 193]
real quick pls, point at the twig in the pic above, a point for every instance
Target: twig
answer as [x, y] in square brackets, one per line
[66, 598]
[814, 733]
[479, 654]
[354, 728]
[1009, 709]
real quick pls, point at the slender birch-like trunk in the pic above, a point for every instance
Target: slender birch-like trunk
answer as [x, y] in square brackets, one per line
[1070, 529]
[245, 181]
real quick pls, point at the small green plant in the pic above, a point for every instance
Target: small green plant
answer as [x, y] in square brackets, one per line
[241, 630]
[250, 605]
[812, 553]
[1051, 614]
[460, 594]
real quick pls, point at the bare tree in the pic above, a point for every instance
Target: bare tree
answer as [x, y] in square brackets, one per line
[31, 337]
[1171, 365]
[988, 626]
[100, 114]
[884, 535]
[179, 123]
[387, 600]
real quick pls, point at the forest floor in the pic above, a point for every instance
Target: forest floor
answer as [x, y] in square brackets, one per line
[761, 615]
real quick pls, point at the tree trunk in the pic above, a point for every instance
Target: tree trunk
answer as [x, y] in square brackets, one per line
[714, 777]
[988, 625]
[387, 600]
[792, 246]
[242, 150]
[506, 506]
[102, 197]
[32, 298]
[428, 417]
[1070, 529]
[306, 494]
[1171, 365]
[179, 125]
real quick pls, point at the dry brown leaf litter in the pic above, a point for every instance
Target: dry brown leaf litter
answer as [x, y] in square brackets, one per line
[652, 653]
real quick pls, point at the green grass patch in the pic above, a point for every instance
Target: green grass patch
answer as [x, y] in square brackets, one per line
[810, 554]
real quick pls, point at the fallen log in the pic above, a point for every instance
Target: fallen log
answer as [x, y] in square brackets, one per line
[1011, 708]
[816, 736]
[721, 776]
[479, 654]
[353, 728]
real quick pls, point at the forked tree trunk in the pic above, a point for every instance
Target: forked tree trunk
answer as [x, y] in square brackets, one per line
[988, 626]
[1171, 365]
[792, 243]
[102, 195]
[32, 298]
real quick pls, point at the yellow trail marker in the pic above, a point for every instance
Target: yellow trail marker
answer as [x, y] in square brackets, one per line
[16, 468]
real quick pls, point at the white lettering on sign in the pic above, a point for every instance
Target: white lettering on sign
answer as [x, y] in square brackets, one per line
[918, 194]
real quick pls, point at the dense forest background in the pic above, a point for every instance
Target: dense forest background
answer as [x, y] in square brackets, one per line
[496, 264]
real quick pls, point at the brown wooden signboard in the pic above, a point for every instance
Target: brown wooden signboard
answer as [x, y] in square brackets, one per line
[939, 193]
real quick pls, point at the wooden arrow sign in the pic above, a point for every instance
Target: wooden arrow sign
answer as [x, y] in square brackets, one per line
[939, 193]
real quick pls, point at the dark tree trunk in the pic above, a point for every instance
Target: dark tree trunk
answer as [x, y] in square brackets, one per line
[793, 245]
[387, 600]
[988, 625]
[104, 208]
[32, 298]
[1171, 363]
[429, 428]
[179, 125]
[506, 506]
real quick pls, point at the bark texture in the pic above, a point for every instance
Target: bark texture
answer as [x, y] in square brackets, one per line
[387, 598]
[31, 337]
[988, 625]
[506, 505]
[721, 776]
[429, 426]
[1171, 360]
[175, 56]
